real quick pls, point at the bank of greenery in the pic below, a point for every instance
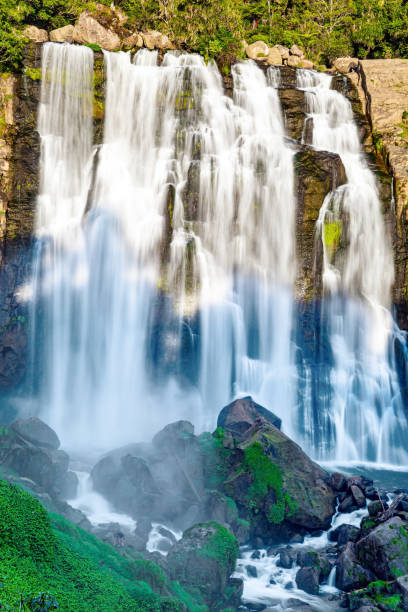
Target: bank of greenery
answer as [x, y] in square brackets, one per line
[215, 28]
[47, 563]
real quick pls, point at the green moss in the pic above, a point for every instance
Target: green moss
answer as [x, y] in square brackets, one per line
[215, 459]
[266, 475]
[149, 572]
[93, 47]
[35, 74]
[221, 546]
[331, 234]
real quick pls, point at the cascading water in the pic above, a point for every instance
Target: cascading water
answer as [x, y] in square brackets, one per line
[165, 260]
[191, 193]
[363, 416]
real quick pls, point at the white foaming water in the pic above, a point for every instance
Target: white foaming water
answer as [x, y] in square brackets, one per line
[96, 508]
[102, 255]
[274, 585]
[364, 414]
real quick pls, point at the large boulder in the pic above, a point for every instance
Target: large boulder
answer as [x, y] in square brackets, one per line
[61, 35]
[350, 574]
[204, 559]
[307, 579]
[88, 30]
[156, 40]
[297, 51]
[35, 34]
[239, 416]
[37, 432]
[274, 58]
[345, 64]
[257, 51]
[385, 549]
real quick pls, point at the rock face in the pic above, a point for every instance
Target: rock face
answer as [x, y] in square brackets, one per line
[205, 558]
[382, 86]
[61, 35]
[88, 30]
[294, 110]
[37, 432]
[241, 414]
[317, 173]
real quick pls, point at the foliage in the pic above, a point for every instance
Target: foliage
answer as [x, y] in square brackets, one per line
[48, 563]
[221, 546]
[267, 476]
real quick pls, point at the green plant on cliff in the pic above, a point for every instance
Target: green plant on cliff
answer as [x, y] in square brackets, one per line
[331, 235]
[267, 476]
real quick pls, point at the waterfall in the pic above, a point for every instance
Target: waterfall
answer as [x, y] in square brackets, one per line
[364, 412]
[165, 260]
[177, 230]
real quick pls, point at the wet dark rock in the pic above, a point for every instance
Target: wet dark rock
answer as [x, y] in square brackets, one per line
[344, 533]
[251, 571]
[167, 534]
[314, 559]
[307, 579]
[317, 173]
[338, 481]
[376, 507]
[143, 529]
[297, 538]
[358, 496]
[241, 414]
[289, 586]
[205, 558]
[296, 603]
[37, 432]
[285, 559]
[385, 549]
[293, 103]
[348, 504]
[371, 493]
[256, 554]
[350, 574]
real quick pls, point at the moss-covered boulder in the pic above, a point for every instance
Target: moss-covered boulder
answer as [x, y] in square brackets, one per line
[385, 549]
[275, 480]
[203, 560]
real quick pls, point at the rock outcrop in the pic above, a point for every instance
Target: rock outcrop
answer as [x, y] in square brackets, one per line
[88, 30]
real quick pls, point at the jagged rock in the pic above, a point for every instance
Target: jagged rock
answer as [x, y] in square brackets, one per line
[293, 103]
[35, 34]
[37, 432]
[385, 549]
[297, 51]
[241, 414]
[157, 40]
[64, 34]
[274, 57]
[294, 61]
[358, 496]
[350, 574]
[134, 40]
[257, 50]
[307, 579]
[88, 30]
[204, 558]
[345, 64]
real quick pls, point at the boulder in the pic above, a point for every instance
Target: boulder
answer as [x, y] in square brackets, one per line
[297, 51]
[338, 482]
[157, 40]
[171, 435]
[285, 559]
[345, 64]
[257, 50]
[307, 579]
[134, 40]
[62, 35]
[35, 34]
[284, 51]
[89, 31]
[358, 496]
[311, 558]
[343, 534]
[294, 61]
[204, 559]
[376, 507]
[307, 64]
[243, 413]
[385, 549]
[37, 432]
[350, 574]
[348, 504]
[274, 58]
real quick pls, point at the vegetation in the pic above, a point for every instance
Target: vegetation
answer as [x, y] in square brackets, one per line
[47, 564]
[215, 28]
[221, 546]
[267, 476]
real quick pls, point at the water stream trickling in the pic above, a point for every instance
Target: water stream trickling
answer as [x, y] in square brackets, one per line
[165, 260]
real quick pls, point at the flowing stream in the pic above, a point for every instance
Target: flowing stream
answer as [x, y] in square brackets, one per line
[165, 260]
